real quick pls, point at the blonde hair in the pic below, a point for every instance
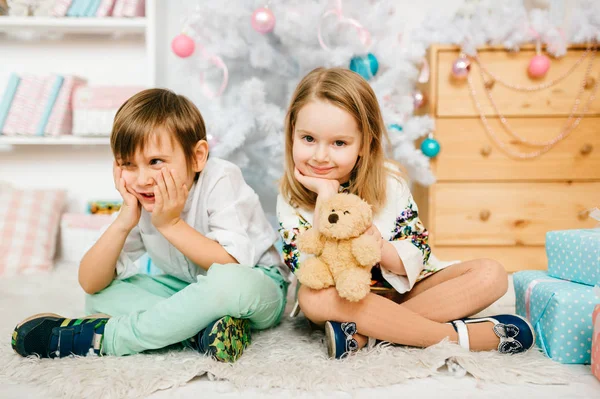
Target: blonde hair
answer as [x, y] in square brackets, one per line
[150, 108]
[350, 92]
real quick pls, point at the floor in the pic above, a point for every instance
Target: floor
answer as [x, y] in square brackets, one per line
[583, 386]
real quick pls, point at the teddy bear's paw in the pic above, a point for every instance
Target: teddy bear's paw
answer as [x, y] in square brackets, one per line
[354, 284]
[315, 274]
[366, 251]
[310, 242]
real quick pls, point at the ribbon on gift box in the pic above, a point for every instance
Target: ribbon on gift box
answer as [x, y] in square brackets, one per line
[595, 214]
[529, 291]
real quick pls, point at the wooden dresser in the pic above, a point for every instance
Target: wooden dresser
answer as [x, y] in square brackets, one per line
[485, 203]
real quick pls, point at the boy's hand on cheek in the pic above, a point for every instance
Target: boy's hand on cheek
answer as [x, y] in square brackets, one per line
[323, 187]
[170, 195]
[130, 212]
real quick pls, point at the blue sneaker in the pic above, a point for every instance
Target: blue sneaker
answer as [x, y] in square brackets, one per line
[339, 339]
[49, 335]
[224, 339]
[515, 333]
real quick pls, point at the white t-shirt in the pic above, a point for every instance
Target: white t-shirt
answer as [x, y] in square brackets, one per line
[222, 207]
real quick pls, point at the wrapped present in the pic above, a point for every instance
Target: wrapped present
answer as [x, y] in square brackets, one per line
[596, 339]
[95, 107]
[560, 312]
[61, 117]
[574, 255]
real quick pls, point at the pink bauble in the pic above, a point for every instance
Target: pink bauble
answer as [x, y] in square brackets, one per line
[538, 66]
[419, 99]
[460, 68]
[183, 46]
[263, 20]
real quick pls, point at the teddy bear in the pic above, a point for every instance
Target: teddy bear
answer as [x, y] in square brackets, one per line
[343, 255]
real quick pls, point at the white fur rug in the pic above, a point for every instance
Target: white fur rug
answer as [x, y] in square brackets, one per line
[290, 356]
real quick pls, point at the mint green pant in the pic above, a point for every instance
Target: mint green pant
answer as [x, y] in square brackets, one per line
[152, 312]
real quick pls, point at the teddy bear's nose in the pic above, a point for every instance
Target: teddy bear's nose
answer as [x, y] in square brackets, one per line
[333, 218]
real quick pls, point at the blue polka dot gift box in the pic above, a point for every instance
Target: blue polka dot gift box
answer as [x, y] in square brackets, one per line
[560, 312]
[574, 255]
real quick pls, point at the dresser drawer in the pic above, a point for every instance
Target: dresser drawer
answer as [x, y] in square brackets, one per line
[453, 98]
[468, 153]
[512, 258]
[508, 213]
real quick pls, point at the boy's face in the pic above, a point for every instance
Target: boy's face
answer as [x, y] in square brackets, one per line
[142, 171]
[326, 141]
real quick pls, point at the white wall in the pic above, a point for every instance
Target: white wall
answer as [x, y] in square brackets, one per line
[85, 171]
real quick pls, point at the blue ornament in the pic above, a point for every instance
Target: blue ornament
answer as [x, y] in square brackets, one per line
[430, 147]
[365, 65]
[395, 126]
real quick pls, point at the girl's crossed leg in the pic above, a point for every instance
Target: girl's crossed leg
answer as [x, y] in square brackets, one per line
[420, 318]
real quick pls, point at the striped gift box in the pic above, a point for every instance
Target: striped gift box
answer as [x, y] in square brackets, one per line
[95, 107]
[105, 9]
[61, 118]
[60, 8]
[25, 107]
[33, 100]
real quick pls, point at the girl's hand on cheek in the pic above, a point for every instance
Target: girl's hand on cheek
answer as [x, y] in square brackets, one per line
[130, 212]
[170, 195]
[323, 187]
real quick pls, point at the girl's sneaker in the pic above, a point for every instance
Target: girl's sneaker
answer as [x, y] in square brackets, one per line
[50, 335]
[224, 339]
[339, 339]
[515, 333]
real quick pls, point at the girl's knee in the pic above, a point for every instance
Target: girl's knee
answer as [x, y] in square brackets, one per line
[492, 276]
[316, 304]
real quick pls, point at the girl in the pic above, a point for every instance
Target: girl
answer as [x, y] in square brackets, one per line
[334, 136]
[199, 222]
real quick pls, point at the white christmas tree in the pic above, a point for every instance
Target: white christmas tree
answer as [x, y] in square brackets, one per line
[265, 52]
[512, 23]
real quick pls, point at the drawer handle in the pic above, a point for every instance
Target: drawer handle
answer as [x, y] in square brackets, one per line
[583, 215]
[484, 215]
[486, 151]
[586, 149]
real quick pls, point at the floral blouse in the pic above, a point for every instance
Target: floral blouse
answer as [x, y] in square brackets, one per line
[399, 223]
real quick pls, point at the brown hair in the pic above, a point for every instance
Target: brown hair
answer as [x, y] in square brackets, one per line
[350, 92]
[146, 110]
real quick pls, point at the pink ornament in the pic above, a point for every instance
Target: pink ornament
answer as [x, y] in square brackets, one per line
[263, 20]
[419, 99]
[460, 68]
[183, 46]
[364, 36]
[538, 66]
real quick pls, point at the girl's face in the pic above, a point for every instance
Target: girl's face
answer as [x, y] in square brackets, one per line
[142, 171]
[326, 141]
